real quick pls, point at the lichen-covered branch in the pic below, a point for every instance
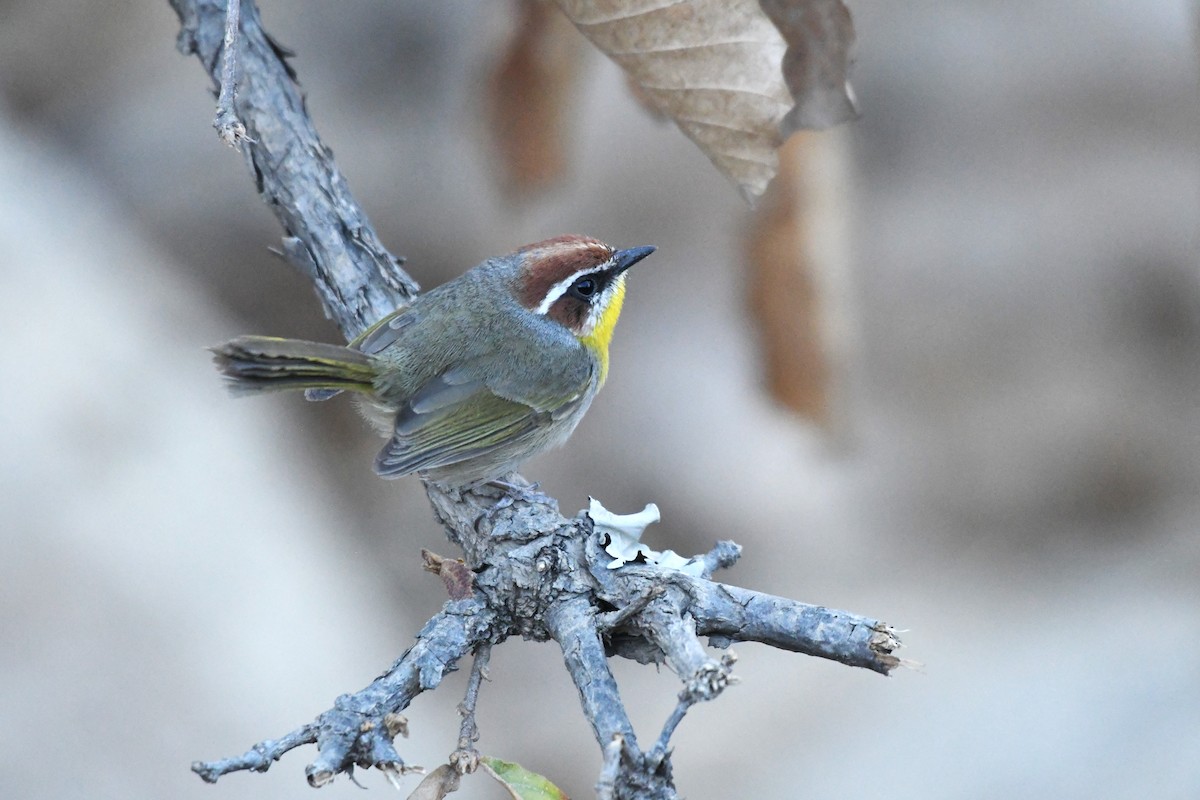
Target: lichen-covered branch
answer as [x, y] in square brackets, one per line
[326, 233]
[573, 626]
[229, 128]
[359, 729]
[729, 614]
[528, 571]
[465, 758]
[258, 758]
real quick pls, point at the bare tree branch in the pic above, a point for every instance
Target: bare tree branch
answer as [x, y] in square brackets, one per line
[534, 573]
[258, 758]
[359, 729]
[229, 128]
[326, 234]
[465, 758]
[606, 786]
[732, 614]
[573, 626]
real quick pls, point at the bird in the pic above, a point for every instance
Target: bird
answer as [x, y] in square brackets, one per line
[473, 377]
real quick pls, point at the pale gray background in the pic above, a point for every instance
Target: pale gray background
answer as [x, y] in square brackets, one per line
[1017, 486]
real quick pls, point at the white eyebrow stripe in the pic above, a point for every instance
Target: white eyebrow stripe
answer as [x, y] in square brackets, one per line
[560, 288]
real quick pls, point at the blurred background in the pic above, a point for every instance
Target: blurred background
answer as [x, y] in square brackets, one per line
[1013, 477]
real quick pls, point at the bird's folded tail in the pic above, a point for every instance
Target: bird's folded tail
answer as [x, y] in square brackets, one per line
[266, 364]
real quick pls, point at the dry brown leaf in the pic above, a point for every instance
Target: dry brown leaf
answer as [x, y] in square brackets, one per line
[717, 67]
[820, 36]
[528, 94]
[456, 576]
[442, 781]
[795, 251]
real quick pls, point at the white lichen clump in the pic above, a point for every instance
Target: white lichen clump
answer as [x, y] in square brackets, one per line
[624, 532]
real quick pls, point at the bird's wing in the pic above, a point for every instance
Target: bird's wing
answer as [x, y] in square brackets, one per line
[458, 416]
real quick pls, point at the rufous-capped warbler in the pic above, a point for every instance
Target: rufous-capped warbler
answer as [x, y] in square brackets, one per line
[472, 377]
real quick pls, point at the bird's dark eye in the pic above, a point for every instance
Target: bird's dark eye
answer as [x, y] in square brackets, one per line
[584, 288]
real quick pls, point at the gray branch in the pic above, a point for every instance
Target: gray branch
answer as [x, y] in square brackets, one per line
[572, 623]
[229, 128]
[529, 571]
[466, 758]
[360, 727]
[326, 234]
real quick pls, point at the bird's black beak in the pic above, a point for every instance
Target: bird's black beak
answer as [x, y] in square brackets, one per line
[624, 259]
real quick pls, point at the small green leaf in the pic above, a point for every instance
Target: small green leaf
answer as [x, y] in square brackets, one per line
[520, 782]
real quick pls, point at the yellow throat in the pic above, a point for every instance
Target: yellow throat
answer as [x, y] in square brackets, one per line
[601, 334]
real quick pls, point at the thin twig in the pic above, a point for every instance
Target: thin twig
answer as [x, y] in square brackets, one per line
[229, 126]
[258, 758]
[708, 682]
[723, 556]
[615, 619]
[466, 758]
[607, 784]
[703, 678]
[359, 729]
[685, 702]
[674, 632]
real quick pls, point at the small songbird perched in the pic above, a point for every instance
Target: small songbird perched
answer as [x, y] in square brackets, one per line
[474, 376]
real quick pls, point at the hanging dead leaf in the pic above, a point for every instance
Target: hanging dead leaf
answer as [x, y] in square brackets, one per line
[736, 76]
[796, 254]
[820, 36]
[528, 95]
